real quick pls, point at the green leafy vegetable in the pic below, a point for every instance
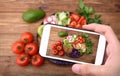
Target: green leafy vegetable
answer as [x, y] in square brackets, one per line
[88, 43]
[87, 12]
[81, 52]
[67, 44]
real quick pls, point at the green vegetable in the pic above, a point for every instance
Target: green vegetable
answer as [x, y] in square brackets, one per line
[40, 30]
[33, 15]
[63, 18]
[75, 37]
[62, 34]
[87, 12]
[81, 52]
[88, 43]
[89, 50]
[67, 44]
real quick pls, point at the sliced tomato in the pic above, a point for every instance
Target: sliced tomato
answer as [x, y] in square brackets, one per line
[75, 16]
[78, 26]
[73, 24]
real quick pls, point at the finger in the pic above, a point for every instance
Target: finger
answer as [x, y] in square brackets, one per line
[103, 29]
[88, 70]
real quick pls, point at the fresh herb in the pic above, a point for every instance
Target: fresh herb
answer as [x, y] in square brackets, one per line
[86, 11]
[89, 50]
[88, 43]
[80, 51]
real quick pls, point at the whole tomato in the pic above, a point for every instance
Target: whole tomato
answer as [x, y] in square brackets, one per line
[23, 59]
[37, 60]
[31, 48]
[18, 47]
[27, 37]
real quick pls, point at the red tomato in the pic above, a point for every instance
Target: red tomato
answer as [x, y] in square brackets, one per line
[74, 16]
[59, 48]
[53, 46]
[80, 37]
[83, 40]
[37, 60]
[73, 24]
[27, 37]
[18, 47]
[31, 48]
[54, 52]
[58, 42]
[23, 60]
[78, 26]
[61, 53]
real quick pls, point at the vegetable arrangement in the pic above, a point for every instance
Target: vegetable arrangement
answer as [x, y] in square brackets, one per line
[72, 45]
[27, 51]
[83, 15]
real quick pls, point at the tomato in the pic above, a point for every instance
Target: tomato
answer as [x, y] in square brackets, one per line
[58, 42]
[73, 24]
[37, 60]
[83, 40]
[18, 47]
[31, 48]
[27, 37]
[54, 46]
[78, 26]
[23, 59]
[61, 53]
[54, 52]
[59, 48]
[74, 16]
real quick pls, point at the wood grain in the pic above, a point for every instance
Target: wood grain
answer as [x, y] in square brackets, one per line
[12, 25]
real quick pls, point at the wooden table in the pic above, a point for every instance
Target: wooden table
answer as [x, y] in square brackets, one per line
[12, 25]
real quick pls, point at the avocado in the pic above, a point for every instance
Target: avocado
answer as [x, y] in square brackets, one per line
[33, 15]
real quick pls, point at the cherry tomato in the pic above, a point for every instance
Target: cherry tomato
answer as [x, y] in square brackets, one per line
[54, 52]
[37, 60]
[59, 48]
[54, 46]
[18, 47]
[80, 37]
[27, 37]
[23, 60]
[74, 16]
[58, 42]
[31, 48]
[61, 53]
[78, 26]
[83, 40]
[73, 24]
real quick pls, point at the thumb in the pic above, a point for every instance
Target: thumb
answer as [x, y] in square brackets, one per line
[88, 69]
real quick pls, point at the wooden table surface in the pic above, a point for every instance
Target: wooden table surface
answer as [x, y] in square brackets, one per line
[12, 26]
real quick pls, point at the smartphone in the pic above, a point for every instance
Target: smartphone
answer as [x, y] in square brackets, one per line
[72, 45]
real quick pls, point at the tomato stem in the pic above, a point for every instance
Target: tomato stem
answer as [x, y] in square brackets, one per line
[22, 58]
[30, 48]
[19, 47]
[26, 40]
[34, 58]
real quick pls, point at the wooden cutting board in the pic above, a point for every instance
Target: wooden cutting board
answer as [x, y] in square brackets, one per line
[12, 26]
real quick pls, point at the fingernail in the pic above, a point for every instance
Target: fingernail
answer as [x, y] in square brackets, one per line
[76, 68]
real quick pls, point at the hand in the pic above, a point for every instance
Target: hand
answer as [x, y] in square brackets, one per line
[111, 64]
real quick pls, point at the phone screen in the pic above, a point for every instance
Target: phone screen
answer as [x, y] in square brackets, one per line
[72, 45]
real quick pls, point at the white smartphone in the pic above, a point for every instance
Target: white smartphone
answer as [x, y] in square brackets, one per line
[72, 45]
